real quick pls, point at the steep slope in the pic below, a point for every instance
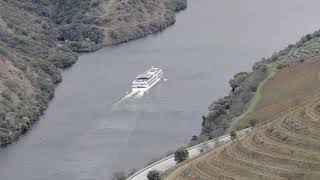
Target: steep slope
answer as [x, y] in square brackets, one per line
[286, 148]
[109, 22]
[300, 80]
[244, 86]
[29, 52]
[38, 37]
[285, 145]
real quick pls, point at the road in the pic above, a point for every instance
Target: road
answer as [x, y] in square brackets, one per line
[194, 151]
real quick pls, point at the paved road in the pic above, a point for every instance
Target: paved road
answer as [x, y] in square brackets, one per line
[169, 162]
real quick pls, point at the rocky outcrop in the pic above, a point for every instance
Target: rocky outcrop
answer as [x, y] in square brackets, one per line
[37, 38]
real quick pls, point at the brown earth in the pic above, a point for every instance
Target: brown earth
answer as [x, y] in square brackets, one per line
[285, 146]
[290, 87]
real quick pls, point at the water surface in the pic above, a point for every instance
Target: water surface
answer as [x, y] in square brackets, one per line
[86, 134]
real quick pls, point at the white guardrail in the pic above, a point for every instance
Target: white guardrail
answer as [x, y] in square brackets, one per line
[209, 143]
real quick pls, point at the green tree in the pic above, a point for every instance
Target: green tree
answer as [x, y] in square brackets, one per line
[181, 154]
[154, 175]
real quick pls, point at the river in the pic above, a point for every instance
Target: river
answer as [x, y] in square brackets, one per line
[86, 133]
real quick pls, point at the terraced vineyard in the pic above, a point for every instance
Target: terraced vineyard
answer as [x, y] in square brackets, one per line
[290, 87]
[285, 144]
[286, 148]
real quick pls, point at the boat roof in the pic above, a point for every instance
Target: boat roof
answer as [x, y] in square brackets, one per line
[144, 76]
[148, 73]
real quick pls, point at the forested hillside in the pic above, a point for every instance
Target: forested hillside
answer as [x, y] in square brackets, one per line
[38, 37]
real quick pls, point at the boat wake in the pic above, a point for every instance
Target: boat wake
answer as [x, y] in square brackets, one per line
[129, 96]
[140, 86]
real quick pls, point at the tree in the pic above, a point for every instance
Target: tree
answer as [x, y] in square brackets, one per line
[204, 118]
[181, 154]
[308, 37]
[154, 175]
[194, 140]
[233, 135]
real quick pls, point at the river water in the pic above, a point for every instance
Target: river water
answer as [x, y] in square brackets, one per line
[86, 133]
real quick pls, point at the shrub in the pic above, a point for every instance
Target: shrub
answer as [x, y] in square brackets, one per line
[181, 155]
[237, 79]
[154, 175]
[308, 37]
[254, 84]
[233, 135]
[25, 120]
[252, 122]
[194, 140]
[282, 65]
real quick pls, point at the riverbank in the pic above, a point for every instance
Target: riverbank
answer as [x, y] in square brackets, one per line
[245, 87]
[82, 139]
[265, 103]
[118, 22]
[299, 74]
[38, 39]
[285, 130]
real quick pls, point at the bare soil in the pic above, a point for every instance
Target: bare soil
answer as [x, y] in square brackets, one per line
[284, 146]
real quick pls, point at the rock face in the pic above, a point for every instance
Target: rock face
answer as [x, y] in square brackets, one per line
[38, 37]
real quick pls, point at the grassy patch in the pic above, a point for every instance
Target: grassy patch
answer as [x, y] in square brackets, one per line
[272, 70]
[239, 123]
[283, 89]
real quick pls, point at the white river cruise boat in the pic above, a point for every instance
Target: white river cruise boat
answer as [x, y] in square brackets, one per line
[145, 81]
